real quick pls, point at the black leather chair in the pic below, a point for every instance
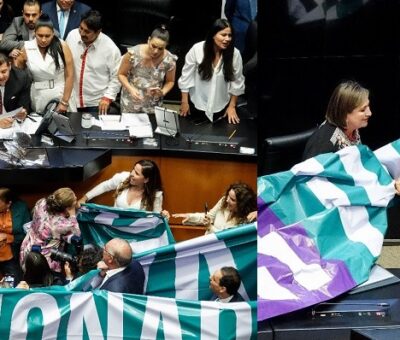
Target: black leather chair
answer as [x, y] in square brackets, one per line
[138, 18]
[280, 153]
[250, 71]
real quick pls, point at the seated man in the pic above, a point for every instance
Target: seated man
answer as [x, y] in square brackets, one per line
[14, 91]
[118, 272]
[96, 60]
[225, 283]
[21, 29]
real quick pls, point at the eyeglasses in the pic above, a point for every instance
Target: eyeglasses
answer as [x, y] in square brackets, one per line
[106, 251]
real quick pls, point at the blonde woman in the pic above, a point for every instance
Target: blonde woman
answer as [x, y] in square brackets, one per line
[53, 223]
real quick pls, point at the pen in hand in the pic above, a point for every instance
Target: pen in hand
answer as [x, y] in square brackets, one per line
[33, 120]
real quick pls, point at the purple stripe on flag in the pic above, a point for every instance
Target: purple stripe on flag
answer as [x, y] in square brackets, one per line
[267, 220]
[341, 281]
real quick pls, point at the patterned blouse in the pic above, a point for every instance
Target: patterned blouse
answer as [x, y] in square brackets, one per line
[49, 232]
[144, 77]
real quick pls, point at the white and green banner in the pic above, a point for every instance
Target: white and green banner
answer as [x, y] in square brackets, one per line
[143, 230]
[103, 315]
[176, 305]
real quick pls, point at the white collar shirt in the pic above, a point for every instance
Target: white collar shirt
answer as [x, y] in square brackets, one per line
[66, 17]
[2, 89]
[96, 69]
[225, 300]
[212, 95]
[110, 273]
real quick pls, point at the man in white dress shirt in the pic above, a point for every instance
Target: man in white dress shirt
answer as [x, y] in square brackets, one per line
[96, 60]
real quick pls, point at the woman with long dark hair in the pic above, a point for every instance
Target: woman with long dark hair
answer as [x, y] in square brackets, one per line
[212, 76]
[37, 273]
[237, 206]
[50, 62]
[139, 189]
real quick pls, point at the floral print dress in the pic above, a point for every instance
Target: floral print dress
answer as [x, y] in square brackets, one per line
[142, 78]
[49, 232]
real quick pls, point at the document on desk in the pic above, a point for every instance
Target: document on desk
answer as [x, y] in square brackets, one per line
[379, 277]
[139, 124]
[11, 113]
[27, 126]
[111, 122]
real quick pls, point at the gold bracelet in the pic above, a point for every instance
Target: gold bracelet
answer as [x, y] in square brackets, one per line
[63, 103]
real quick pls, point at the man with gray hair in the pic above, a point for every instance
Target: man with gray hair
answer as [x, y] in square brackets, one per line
[118, 271]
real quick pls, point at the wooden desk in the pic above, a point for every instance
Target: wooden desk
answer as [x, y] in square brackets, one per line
[186, 232]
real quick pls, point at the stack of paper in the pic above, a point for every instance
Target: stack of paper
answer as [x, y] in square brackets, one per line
[139, 124]
[110, 122]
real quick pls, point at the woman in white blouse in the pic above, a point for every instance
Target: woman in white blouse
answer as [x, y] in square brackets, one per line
[212, 75]
[237, 206]
[139, 189]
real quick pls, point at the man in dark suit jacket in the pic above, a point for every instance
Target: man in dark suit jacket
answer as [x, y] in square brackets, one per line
[15, 83]
[225, 283]
[118, 272]
[21, 29]
[73, 9]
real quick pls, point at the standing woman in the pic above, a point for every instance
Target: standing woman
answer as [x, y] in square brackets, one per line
[147, 73]
[53, 223]
[212, 76]
[50, 62]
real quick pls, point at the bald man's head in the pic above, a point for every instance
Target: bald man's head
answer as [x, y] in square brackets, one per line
[120, 251]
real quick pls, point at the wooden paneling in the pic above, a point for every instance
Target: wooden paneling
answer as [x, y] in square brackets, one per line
[188, 184]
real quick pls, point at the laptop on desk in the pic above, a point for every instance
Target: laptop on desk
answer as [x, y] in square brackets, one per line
[60, 127]
[167, 122]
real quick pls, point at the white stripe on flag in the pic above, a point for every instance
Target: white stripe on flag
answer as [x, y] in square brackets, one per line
[308, 167]
[327, 193]
[269, 289]
[115, 312]
[105, 217]
[390, 158]
[186, 284]
[152, 243]
[356, 225]
[209, 321]
[210, 312]
[310, 276]
[146, 263]
[378, 195]
[186, 287]
[224, 258]
[155, 308]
